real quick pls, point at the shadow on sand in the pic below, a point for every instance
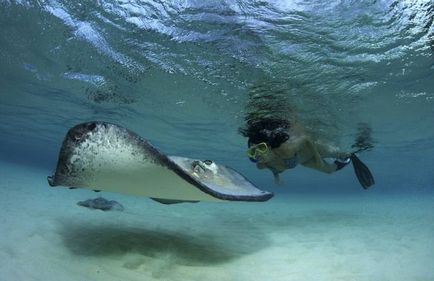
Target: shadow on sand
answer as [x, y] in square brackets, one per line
[207, 245]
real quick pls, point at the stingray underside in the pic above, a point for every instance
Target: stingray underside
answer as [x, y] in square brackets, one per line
[104, 156]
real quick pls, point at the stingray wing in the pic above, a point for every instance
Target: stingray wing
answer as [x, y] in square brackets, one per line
[104, 156]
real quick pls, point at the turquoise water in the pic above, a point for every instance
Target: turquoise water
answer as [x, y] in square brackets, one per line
[181, 74]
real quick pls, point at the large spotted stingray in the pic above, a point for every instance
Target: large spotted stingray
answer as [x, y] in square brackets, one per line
[108, 157]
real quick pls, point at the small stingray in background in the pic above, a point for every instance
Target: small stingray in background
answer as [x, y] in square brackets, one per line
[101, 203]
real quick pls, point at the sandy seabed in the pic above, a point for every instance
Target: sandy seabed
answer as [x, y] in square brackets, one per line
[46, 236]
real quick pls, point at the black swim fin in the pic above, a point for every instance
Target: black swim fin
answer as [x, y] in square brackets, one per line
[362, 172]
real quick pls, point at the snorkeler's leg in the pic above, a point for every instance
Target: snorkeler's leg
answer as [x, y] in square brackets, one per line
[328, 151]
[322, 167]
[341, 162]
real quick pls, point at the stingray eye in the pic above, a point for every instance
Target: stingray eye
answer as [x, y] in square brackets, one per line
[197, 168]
[208, 162]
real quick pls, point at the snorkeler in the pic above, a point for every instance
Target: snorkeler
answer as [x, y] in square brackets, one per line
[278, 145]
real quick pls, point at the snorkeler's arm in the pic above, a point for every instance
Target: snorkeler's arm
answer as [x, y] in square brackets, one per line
[277, 179]
[276, 175]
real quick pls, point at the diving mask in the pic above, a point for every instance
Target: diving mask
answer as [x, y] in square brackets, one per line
[254, 150]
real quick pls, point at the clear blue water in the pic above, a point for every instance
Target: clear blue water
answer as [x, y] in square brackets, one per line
[180, 74]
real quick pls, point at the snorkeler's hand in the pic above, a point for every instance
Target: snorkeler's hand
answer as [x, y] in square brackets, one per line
[277, 179]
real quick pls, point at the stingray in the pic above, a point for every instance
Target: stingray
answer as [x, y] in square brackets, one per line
[107, 157]
[101, 203]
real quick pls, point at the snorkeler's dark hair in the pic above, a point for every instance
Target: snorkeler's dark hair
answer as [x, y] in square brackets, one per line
[271, 131]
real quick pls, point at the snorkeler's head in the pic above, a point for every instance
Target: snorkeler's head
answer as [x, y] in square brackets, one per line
[274, 132]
